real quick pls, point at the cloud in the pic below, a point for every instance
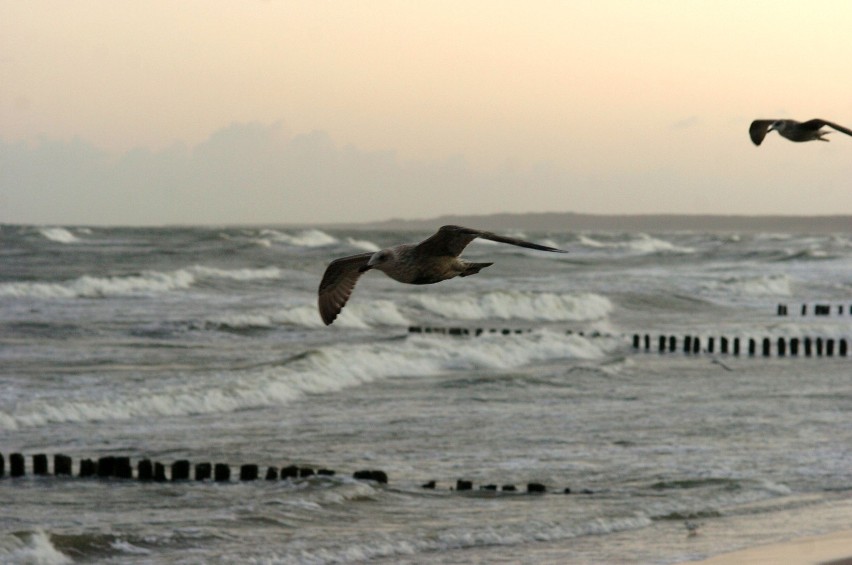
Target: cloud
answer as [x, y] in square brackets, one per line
[244, 173]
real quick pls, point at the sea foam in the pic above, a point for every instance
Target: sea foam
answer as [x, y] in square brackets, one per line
[322, 371]
[306, 238]
[59, 235]
[509, 305]
[30, 548]
[640, 243]
[767, 285]
[146, 283]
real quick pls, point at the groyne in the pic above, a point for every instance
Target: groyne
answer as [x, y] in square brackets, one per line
[121, 467]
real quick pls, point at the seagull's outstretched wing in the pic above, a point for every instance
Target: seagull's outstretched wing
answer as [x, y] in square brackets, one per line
[815, 124]
[337, 284]
[758, 130]
[451, 240]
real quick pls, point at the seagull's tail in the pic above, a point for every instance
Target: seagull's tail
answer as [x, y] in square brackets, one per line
[473, 268]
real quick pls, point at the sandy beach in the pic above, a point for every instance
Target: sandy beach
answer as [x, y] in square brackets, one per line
[830, 549]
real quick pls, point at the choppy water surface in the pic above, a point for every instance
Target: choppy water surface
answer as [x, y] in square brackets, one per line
[205, 344]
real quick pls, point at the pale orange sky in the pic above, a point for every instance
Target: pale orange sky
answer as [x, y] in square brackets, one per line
[590, 106]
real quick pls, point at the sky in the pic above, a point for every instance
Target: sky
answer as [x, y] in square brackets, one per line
[313, 112]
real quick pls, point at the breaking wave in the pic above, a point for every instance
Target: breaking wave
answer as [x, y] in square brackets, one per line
[30, 548]
[358, 315]
[471, 536]
[771, 285]
[325, 370]
[58, 235]
[641, 243]
[146, 283]
[306, 238]
[509, 305]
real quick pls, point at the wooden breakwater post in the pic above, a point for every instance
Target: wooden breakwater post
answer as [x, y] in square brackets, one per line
[221, 473]
[249, 472]
[203, 471]
[40, 464]
[536, 488]
[88, 468]
[62, 465]
[371, 475]
[17, 467]
[145, 470]
[180, 470]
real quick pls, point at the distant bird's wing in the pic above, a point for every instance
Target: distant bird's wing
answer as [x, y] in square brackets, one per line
[337, 284]
[758, 130]
[817, 123]
[451, 240]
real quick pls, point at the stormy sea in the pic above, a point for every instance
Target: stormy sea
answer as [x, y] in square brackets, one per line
[205, 345]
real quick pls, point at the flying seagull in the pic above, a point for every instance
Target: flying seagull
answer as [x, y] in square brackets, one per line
[433, 260]
[793, 130]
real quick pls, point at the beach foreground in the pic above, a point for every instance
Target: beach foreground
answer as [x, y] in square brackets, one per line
[830, 549]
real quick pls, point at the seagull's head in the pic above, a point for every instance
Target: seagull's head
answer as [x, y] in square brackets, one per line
[379, 260]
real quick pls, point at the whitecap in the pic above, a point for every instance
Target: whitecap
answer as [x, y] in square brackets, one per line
[508, 305]
[265, 273]
[325, 370]
[642, 243]
[31, 548]
[769, 285]
[59, 235]
[306, 238]
[362, 244]
[146, 283]
[99, 287]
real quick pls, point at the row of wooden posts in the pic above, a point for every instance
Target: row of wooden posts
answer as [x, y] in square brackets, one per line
[818, 309]
[457, 331]
[148, 470]
[476, 332]
[781, 346]
[112, 467]
[463, 485]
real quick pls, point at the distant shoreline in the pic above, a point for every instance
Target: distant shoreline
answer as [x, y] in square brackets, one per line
[552, 222]
[569, 221]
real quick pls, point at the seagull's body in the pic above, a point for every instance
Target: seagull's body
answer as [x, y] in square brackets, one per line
[433, 260]
[810, 130]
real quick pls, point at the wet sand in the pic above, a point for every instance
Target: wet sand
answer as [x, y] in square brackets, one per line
[830, 549]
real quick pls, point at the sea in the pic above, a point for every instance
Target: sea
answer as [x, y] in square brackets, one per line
[205, 344]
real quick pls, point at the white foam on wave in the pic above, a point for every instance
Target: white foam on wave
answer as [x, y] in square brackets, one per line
[30, 548]
[641, 243]
[326, 370]
[486, 535]
[58, 235]
[361, 315]
[362, 244]
[509, 305]
[265, 273]
[128, 548]
[768, 285]
[306, 238]
[146, 283]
